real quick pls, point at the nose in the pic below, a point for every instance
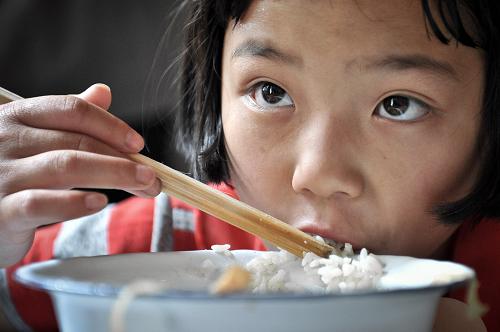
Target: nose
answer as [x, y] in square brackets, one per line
[326, 163]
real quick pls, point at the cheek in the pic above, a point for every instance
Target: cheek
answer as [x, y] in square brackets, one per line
[252, 151]
[431, 163]
[447, 173]
[415, 183]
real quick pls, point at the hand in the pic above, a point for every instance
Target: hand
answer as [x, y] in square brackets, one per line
[51, 144]
[451, 316]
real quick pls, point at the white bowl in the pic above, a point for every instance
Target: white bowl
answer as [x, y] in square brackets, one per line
[84, 290]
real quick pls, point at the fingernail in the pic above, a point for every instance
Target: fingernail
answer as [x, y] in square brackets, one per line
[144, 174]
[95, 201]
[134, 141]
[102, 85]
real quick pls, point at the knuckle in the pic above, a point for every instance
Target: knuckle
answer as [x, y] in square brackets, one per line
[89, 144]
[19, 138]
[66, 161]
[28, 204]
[6, 178]
[15, 111]
[10, 109]
[12, 140]
[75, 106]
[7, 136]
[9, 130]
[83, 143]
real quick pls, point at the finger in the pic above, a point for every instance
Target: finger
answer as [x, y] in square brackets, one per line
[70, 113]
[28, 209]
[31, 141]
[152, 191]
[97, 94]
[67, 169]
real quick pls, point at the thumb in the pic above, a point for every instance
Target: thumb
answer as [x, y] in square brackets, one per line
[98, 94]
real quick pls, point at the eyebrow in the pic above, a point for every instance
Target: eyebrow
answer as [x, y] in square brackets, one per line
[413, 61]
[257, 48]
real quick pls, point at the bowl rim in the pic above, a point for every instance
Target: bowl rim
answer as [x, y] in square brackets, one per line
[27, 276]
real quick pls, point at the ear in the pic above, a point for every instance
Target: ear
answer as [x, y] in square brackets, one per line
[97, 94]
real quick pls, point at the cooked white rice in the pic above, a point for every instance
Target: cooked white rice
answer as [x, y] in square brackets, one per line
[220, 247]
[280, 271]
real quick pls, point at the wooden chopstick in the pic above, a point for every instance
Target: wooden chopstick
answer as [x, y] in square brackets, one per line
[224, 207]
[6, 96]
[233, 211]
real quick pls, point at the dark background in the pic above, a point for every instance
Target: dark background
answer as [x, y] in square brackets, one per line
[62, 47]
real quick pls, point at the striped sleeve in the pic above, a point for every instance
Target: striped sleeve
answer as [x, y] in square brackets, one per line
[120, 228]
[162, 235]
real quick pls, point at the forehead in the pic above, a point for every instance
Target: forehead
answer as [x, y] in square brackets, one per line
[324, 12]
[345, 30]
[323, 20]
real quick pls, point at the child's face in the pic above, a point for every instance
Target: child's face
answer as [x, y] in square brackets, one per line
[347, 119]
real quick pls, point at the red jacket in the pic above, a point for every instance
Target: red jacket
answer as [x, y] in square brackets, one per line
[164, 224]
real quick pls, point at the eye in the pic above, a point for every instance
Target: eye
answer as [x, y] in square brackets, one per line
[402, 108]
[266, 95]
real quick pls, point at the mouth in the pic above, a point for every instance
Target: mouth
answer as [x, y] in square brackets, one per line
[331, 242]
[333, 231]
[331, 238]
[328, 240]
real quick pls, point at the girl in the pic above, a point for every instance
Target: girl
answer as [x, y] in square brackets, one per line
[373, 123]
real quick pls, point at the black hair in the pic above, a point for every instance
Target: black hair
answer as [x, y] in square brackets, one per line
[200, 135]
[201, 138]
